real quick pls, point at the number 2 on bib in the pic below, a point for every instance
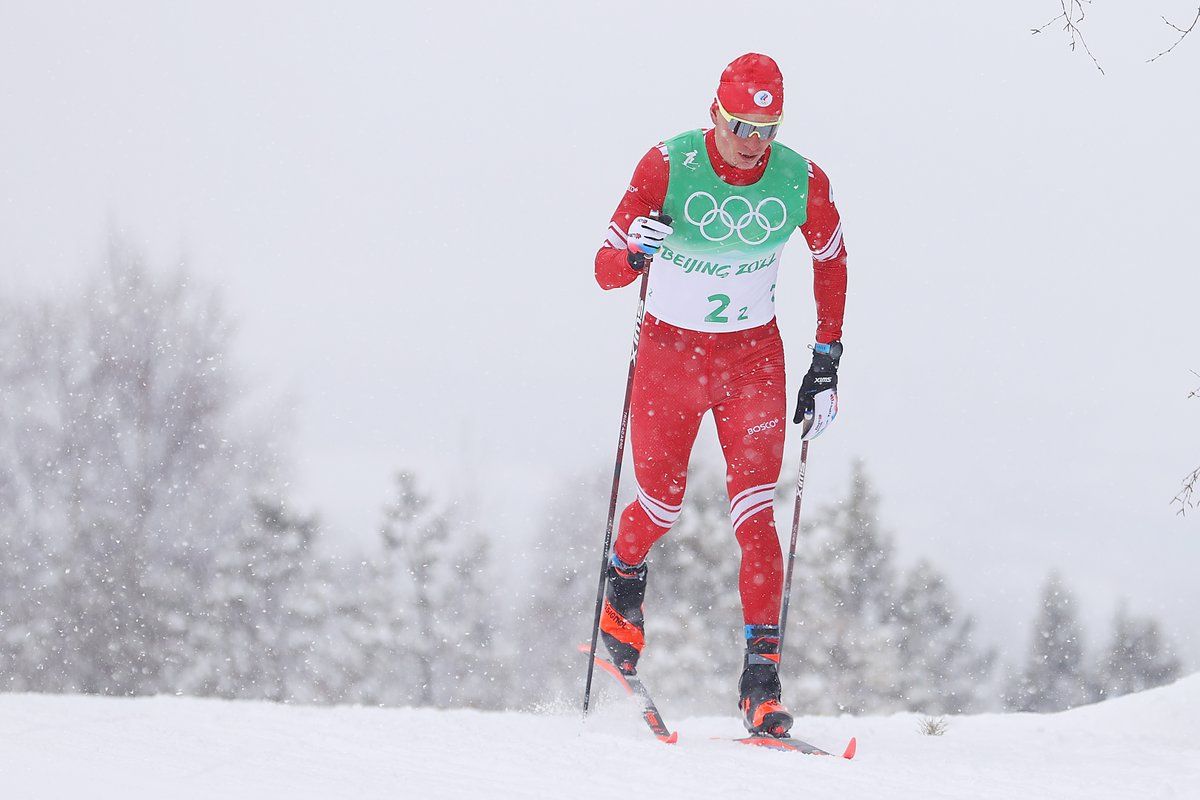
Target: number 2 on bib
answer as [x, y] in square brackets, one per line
[722, 301]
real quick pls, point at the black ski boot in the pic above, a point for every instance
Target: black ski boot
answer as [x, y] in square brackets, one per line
[621, 624]
[759, 690]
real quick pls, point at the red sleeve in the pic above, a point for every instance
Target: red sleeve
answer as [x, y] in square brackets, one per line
[647, 191]
[823, 231]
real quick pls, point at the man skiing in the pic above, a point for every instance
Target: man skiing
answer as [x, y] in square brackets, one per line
[730, 197]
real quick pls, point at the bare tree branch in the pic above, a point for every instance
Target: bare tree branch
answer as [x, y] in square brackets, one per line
[1191, 484]
[1183, 32]
[1073, 14]
[1187, 493]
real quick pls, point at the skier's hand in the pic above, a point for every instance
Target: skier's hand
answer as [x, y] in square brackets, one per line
[816, 405]
[646, 236]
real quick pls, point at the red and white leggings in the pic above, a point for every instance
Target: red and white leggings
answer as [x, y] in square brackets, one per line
[680, 375]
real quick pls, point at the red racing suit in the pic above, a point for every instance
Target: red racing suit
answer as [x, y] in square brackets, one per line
[681, 374]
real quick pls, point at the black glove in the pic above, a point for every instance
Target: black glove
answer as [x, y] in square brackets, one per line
[821, 375]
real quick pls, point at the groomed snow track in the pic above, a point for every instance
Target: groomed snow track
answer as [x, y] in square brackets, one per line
[1141, 746]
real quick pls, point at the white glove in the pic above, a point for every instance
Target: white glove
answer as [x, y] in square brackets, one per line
[817, 403]
[821, 416]
[646, 235]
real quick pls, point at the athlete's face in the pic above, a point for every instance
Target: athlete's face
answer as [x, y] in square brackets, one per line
[740, 153]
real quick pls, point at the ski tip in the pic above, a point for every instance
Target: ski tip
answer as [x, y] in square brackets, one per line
[851, 749]
[672, 739]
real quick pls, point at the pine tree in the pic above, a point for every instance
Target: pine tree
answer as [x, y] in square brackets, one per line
[864, 639]
[555, 605]
[444, 647]
[1054, 678]
[246, 642]
[333, 632]
[941, 667]
[412, 533]
[842, 638]
[476, 662]
[1138, 657]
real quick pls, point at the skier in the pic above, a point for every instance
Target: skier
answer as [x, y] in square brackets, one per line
[732, 196]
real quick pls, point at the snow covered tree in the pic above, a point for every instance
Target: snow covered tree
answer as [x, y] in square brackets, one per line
[245, 640]
[28, 641]
[942, 668]
[1138, 657]
[864, 639]
[843, 638]
[333, 632]
[440, 565]
[374, 624]
[554, 611]
[30, 648]
[402, 609]
[1054, 678]
[126, 460]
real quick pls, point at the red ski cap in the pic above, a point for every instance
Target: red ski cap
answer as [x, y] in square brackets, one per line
[752, 84]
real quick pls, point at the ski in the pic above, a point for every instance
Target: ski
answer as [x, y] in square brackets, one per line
[789, 744]
[634, 687]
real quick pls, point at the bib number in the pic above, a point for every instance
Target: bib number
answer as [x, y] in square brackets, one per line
[723, 301]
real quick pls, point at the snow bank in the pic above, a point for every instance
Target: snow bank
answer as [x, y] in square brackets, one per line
[1143, 746]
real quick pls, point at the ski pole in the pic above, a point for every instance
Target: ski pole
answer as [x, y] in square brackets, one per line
[787, 583]
[612, 502]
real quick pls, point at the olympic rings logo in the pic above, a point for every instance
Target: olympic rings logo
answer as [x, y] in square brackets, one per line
[734, 215]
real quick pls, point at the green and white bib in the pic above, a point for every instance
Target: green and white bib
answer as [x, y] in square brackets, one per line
[717, 271]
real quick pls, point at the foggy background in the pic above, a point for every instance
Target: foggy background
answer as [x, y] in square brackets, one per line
[402, 208]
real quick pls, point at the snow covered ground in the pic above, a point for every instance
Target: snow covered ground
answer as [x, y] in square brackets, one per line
[1140, 746]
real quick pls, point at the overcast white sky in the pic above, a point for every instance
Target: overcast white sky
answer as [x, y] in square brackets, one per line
[402, 210]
